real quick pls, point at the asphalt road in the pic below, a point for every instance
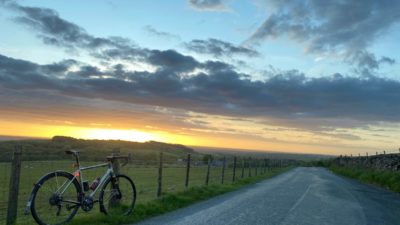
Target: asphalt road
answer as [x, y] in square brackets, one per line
[302, 196]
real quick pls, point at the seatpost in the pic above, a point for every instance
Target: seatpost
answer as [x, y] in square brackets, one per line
[77, 160]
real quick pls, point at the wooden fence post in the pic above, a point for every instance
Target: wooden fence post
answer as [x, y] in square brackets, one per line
[265, 165]
[256, 165]
[160, 168]
[208, 171]
[115, 161]
[187, 171]
[223, 170]
[115, 165]
[249, 166]
[234, 169]
[262, 166]
[242, 168]
[269, 164]
[14, 186]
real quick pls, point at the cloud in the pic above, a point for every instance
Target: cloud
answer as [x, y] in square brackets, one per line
[223, 91]
[23, 74]
[162, 34]
[219, 48]
[59, 68]
[367, 60]
[87, 71]
[172, 60]
[56, 31]
[208, 5]
[335, 26]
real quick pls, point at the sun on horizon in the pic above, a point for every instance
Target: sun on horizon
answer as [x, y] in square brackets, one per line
[125, 135]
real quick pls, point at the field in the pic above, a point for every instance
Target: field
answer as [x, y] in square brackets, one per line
[40, 157]
[144, 176]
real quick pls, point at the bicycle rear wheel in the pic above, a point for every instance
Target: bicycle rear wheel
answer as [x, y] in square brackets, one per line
[55, 198]
[118, 196]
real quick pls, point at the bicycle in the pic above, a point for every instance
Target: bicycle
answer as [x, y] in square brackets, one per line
[57, 196]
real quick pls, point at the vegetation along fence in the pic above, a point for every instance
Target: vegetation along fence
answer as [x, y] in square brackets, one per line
[152, 178]
[384, 161]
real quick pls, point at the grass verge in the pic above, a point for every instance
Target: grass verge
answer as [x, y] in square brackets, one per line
[170, 202]
[382, 178]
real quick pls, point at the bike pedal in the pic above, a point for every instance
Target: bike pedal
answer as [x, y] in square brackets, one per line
[27, 209]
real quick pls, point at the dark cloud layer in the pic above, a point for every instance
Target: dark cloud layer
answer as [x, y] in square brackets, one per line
[172, 60]
[219, 48]
[332, 26]
[221, 91]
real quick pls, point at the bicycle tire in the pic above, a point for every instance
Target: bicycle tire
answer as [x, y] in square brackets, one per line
[39, 186]
[113, 186]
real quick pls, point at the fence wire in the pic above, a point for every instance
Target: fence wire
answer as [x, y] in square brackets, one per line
[144, 174]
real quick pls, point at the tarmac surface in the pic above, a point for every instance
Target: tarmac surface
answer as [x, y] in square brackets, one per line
[301, 196]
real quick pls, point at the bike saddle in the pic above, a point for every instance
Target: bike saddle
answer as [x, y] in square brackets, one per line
[72, 152]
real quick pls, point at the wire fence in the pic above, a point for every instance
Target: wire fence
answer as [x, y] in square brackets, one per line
[5, 177]
[176, 175]
[383, 160]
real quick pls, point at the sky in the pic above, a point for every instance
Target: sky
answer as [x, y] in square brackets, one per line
[302, 76]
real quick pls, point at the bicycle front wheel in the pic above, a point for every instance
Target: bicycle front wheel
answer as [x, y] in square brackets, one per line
[55, 198]
[118, 196]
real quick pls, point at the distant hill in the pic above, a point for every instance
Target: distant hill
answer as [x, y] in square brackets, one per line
[13, 138]
[96, 150]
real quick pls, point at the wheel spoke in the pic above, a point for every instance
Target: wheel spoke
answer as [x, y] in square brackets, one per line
[57, 181]
[50, 206]
[118, 200]
[48, 189]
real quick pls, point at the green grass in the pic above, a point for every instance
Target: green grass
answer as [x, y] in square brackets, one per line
[144, 177]
[383, 178]
[172, 201]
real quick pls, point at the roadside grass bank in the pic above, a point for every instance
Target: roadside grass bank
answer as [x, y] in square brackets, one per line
[172, 201]
[383, 178]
